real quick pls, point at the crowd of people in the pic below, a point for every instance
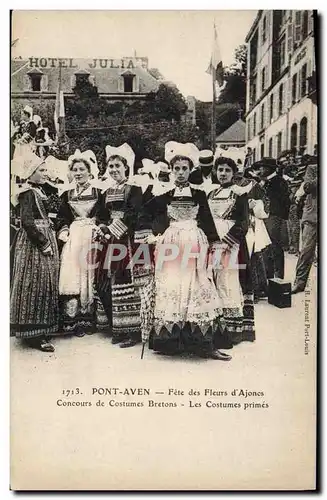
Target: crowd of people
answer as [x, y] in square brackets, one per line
[89, 252]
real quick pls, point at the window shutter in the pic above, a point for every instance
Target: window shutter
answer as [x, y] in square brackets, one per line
[73, 81]
[121, 84]
[44, 83]
[136, 84]
[27, 83]
[289, 39]
[294, 94]
[289, 93]
[298, 27]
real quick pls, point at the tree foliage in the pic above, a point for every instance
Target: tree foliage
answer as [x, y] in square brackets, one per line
[92, 122]
[234, 90]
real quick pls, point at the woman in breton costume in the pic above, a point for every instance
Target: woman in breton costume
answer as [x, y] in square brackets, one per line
[115, 283]
[257, 236]
[25, 136]
[230, 211]
[34, 311]
[78, 217]
[185, 306]
[42, 139]
[147, 179]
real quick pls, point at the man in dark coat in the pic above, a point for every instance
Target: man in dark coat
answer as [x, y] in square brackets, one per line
[309, 190]
[277, 194]
[203, 173]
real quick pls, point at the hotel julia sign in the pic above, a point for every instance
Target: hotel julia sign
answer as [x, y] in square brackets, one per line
[54, 62]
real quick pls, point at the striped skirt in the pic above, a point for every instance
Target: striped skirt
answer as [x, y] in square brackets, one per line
[119, 294]
[34, 308]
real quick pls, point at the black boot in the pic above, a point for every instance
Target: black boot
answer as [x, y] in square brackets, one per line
[221, 356]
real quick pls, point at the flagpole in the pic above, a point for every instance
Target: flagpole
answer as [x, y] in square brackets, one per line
[59, 117]
[213, 113]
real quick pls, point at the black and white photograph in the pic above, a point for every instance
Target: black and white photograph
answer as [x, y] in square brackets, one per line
[163, 250]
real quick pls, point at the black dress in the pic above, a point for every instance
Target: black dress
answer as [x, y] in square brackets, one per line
[230, 212]
[115, 279]
[185, 308]
[34, 288]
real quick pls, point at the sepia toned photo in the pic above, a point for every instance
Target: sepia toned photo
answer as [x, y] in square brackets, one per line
[163, 250]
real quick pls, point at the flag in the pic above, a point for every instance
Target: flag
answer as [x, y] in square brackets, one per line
[216, 65]
[59, 113]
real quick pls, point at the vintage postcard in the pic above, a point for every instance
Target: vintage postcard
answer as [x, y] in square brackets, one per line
[163, 256]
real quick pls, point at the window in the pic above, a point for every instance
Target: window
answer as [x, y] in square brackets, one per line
[294, 136]
[262, 123]
[128, 83]
[283, 16]
[263, 79]
[36, 82]
[310, 22]
[305, 24]
[253, 91]
[253, 51]
[262, 150]
[271, 117]
[304, 82]
[281, 99]
[254, 124]
[278, 58]
[289, 38]
[279, 143]
[294, 88]
[81, 79]
[249, 129]
[282, 49]
[270, 147]
[303, 132]
[264, 29]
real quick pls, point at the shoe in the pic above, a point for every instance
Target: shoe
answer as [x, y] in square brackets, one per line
[116, 340]
[128, 343]
[46, 346]
[220, 355]
[79, 332]
[297, 289]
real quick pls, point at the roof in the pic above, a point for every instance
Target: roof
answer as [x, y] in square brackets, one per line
[35, 71]
[235, 133]
[82, 72]
[254, 25]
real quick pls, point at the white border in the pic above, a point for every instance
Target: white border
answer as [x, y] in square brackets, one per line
[4, 196]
